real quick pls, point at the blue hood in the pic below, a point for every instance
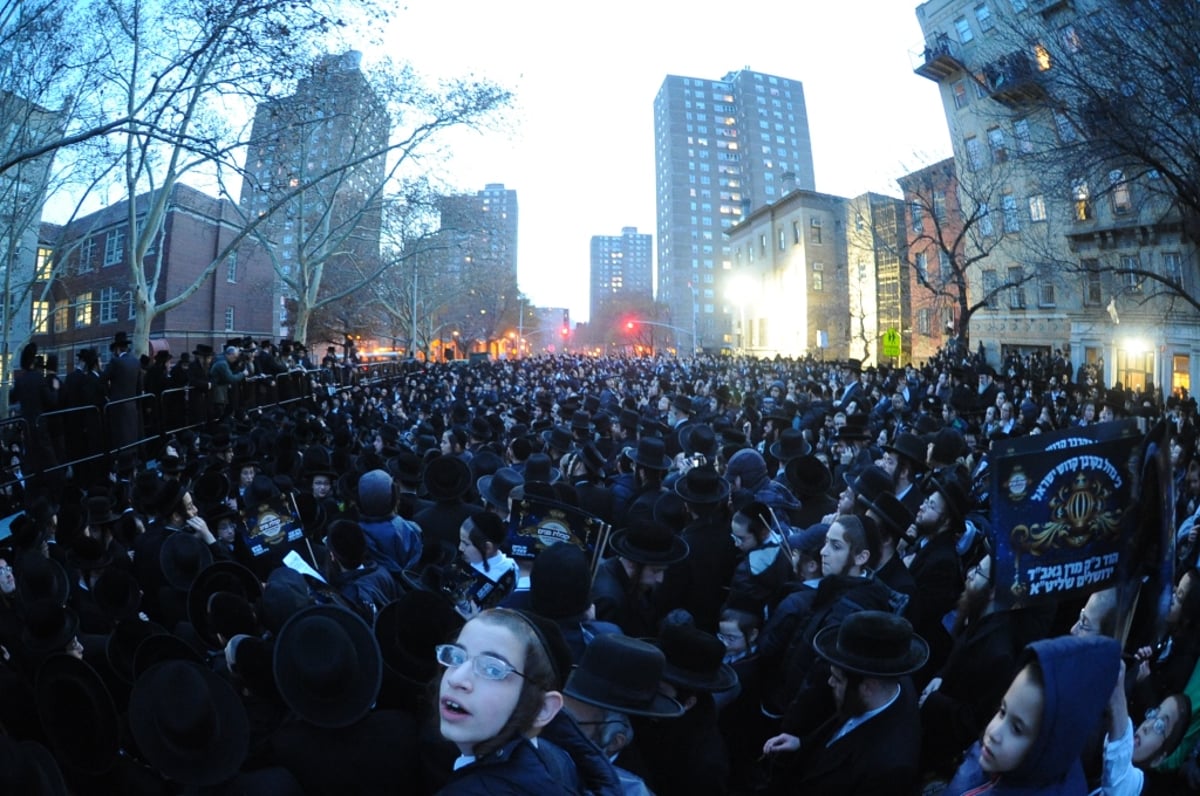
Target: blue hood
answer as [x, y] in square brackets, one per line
[1078, 675]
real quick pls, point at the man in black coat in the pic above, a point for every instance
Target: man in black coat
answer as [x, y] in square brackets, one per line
[699, 582]
[871, 745]
[122, 380]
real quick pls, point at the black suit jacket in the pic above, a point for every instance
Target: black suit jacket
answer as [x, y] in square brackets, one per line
[878, 757]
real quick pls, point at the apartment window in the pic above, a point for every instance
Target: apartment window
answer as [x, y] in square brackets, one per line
[918, 223]
[796, 232]
[87, 252]
[997, 144]
[814, 230]
[944, 263]
[964, 30]
[1070, 39]
[1012, 222]
[1046, 293]
[45, 264]
[762, 243]
[62, 315]
[41, 317]
[231, 268]
[984, 15]
[1173, 267]
[921, 263]
[1093, 288]
[991, 284]
[132, 307]
[1121, 199]
[114, 246]
[1016, 290]
[961, 98]
[1083, 201]
[108, 305]
[818, 276]
[83, 310]
[1037, 208]
[939, 205]
[1021, 133]
[974, 155]
[229, 319]
[925, 321]
[1130, 263]
[782, 239]
[985, 219]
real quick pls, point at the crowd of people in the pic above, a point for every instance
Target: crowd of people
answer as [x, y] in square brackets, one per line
[289, 578]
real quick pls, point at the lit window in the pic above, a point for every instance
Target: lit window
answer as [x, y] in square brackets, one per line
[45, 264]
[1037, 208]
[41, 317]
[83, 309]
[1042, 57]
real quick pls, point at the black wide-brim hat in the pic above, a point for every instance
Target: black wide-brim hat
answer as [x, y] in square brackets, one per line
[695, 659]
[790, 445]
[328, 666]
[78, 714]
[698, 438]
[122, 644]
[539, 467]
[911, 447]
[189, 723]
[447, 478]
[182, 557]
[873, 643]
[651, 452]
[647, 542]
[27, 767]
[41, 578]
[220, 576]
[808, 476]
[159, 647]
[559, 438]
[622, 674]
[497, 487]
[409, 628]
[702, 485]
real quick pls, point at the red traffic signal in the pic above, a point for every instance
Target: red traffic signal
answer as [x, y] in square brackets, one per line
[564, 331]
[629, 325]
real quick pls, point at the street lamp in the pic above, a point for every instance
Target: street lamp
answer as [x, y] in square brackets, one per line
[739, 292]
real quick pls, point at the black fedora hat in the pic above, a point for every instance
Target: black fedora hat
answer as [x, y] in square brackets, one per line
[27, 767]
[870, 483]
[581, 421]
[873, 643]
[189, 723]
[406, 467]
[592, 459]
[120, 649]
[87, 554]
[790, 445]
[220, 576]
[447, 478]
[647, 542]
[651, 453]
[698, 438]
[539, 467]
[808, 476]
[78, 714]
[855, 428]
[181, 558]
[683, 403]
[559, 438]
[159, 647]
[41, 578]
[49, 628]
[328, 666]
[316, 461]
[496, 488]
[408, 629]
[99, 511]
[695, 659]
[117, 594]
[892, 513]
[948, 481]
[910, 446]
[211, 487]
[622, 674]
[702, 485]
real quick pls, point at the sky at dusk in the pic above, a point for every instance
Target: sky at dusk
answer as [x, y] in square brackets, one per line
[579, 144]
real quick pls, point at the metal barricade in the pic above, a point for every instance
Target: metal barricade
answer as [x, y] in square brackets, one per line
[127, 411]
[69, 430]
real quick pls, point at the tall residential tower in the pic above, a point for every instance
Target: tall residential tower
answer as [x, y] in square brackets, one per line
[622, 270]
[723, 148]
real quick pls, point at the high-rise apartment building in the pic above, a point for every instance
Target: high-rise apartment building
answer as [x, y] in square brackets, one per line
[1059, 234]
[484, 224]
[319, 208]
[622, 270]
[723, 148]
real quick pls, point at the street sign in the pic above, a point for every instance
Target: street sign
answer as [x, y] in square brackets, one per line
[891, 343]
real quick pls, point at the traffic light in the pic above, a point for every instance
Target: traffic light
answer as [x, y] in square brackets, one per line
[629, 326]
[564, 331]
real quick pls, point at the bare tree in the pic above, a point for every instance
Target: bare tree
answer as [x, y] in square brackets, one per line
[959, 248]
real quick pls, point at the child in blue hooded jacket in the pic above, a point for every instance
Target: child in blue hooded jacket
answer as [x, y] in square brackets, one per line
[1032, 744]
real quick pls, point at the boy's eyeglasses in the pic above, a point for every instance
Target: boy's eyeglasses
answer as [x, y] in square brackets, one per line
[1158, 722]
[489, 667]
